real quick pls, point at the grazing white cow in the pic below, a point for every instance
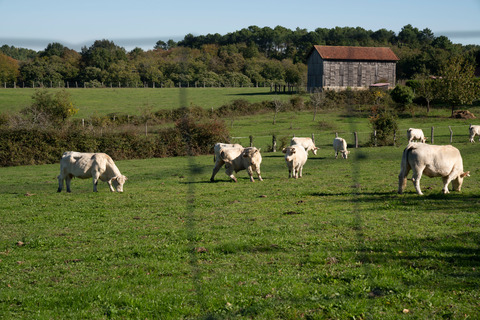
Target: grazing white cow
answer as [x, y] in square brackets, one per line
[415, 134]
[474, 130]
[340, 145]
[90, 165]
[306, 143]
[295, 157]
[236, 159]
[432, 161]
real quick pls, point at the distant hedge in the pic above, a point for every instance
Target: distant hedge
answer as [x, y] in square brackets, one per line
[44, 146]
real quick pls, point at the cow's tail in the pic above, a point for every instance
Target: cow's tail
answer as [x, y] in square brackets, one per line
[404, 168]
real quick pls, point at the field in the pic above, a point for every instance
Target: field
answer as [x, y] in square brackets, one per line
[339, 243]
[133, 101]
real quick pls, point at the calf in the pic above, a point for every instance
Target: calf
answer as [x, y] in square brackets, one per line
[415, 134]
[306, 143]
[432, 161]
[295, 157]
[90, 165]
[340, 145]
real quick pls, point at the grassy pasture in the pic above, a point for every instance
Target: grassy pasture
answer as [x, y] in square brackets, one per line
[134, 101]
[337, 244]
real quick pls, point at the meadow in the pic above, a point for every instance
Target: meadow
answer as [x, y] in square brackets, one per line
[339, 243]
[134, 101]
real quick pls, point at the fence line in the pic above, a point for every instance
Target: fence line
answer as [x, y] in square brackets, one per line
[440, 134]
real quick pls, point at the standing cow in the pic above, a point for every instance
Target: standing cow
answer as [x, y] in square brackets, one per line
[340, 145]
[415, 134]
[295, 157]
[306, 143]
[432, 161]
[90, 165]
[474, 130]
[236, 159]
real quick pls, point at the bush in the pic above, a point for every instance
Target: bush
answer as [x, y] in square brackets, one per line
[385, 124]
[402, 95]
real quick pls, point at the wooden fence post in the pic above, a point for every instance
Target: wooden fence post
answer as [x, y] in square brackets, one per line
[375, 137]
[394, 137]
[355, 134]
[451, 134]
[251, 141]
[274, 143]
[336, 134]
[313, 138]
[432, 135]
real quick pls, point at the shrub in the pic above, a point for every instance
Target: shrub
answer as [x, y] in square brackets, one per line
[385, 124]
[402, 95]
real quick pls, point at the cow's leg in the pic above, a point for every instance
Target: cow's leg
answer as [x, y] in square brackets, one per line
[95, 178]
[417, 175]
[250, 173]
[446, 182]
[336, 154]
[110, 185]
[300, 171]
[68, 178]
[229, 172]
[60, 182]
[218, 164]
[257, 170]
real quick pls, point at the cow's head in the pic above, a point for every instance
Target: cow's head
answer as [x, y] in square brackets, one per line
[289, 152]
[457, 183]
[118, 182]
[345, 154]
[253, 156]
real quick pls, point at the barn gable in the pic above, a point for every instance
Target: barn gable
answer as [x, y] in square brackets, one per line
[339, 67]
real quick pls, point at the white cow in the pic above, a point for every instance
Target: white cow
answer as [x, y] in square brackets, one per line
[306, 143]
[415, 134]
[219, 145]
[474, 130]
[236, 159]
[236, 150]
[340, 145]
[90, 165]
[432, 161]
[295, 157]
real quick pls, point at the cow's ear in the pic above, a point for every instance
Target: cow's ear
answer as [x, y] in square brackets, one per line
[465, 174]
[245, 154]
[284, 150]
[258, 150]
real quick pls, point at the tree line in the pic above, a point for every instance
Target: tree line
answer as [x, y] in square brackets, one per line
[250, 56]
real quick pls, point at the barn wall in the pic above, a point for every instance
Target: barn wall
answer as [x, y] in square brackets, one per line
[335, 75]
[315, 71]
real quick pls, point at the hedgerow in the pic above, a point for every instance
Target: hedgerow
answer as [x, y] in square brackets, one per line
[46, 145]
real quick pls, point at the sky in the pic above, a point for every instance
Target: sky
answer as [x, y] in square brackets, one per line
[33, 24]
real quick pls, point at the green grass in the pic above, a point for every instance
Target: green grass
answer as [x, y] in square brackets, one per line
[338, 243]
[134, 101]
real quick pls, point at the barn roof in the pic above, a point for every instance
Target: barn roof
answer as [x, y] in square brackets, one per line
[355, 53]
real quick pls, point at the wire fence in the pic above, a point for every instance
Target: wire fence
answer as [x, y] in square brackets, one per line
[440, 135]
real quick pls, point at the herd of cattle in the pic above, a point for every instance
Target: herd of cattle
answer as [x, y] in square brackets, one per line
[419, 157]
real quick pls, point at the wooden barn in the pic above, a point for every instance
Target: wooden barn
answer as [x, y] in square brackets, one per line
[337, 67]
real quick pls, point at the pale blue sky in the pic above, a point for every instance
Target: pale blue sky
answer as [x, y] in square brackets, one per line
[141, 23]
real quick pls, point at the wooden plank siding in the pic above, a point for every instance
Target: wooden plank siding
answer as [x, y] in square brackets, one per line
[339, 74]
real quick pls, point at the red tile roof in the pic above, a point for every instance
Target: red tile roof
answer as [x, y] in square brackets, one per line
[356, 53]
